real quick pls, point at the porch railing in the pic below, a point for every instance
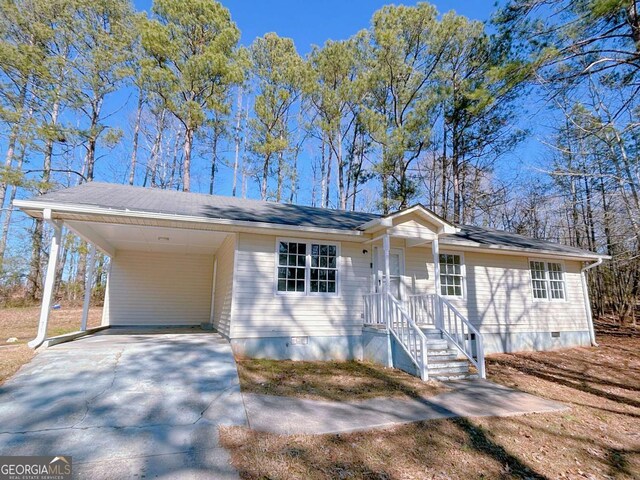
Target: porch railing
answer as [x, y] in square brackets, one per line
[373, 309]
[385, 309]
[462, 334]
[422, 308]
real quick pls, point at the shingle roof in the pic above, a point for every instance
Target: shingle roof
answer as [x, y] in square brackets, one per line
[124, 197]
[486, 237]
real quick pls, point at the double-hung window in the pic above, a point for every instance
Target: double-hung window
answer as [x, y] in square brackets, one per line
[451, 275]
[292, 262]
[307, 267]
[547, 280]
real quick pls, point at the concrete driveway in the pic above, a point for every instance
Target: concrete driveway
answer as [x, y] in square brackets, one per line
[127, 404]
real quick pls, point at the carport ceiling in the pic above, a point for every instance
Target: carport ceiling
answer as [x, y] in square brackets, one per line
[149, 239]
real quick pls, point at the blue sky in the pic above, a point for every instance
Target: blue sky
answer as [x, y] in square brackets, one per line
[313, 22]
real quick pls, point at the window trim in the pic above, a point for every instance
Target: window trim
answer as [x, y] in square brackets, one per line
[463, 273]
[307, 268]
[547, 280]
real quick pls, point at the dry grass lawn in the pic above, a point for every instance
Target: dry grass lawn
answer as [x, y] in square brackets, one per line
[341, 381]
[599, 438]
[22, 323]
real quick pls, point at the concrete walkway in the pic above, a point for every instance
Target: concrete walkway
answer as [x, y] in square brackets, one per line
[473, 398]
[127, 404]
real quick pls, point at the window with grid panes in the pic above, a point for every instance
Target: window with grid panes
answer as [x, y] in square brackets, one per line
[538, 279]
[324, 268]
[292, 259]
[547, 280]
[451, 275]
[556, 281]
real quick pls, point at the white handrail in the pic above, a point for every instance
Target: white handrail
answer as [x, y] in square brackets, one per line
[385, 309]
[458, 329]
[408, 334]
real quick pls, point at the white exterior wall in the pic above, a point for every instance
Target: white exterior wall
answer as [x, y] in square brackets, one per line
[498, 297]
[258, 311]
[159, 289]
[223, 300]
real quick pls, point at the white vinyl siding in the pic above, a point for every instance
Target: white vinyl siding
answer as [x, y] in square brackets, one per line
[223, 300]
[499, 299]
[260, 311]
[160, 288]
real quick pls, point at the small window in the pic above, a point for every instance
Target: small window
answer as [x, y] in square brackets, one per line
[547, 280]
[451, 275]
[324, 268]
[291, 266]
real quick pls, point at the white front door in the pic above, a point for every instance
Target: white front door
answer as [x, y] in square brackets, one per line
[396, 271]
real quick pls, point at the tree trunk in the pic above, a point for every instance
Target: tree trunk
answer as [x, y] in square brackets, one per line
[11, 145]
[357, 173]
[6, 224]
[265, 177]
[445, 166]
[237, 140]
[280, 175]
[340, 160]
[455, 174]
[136, 134]
[214, 161]
[155, 151]
[174, 161]
[90, 158]
[327, 183]
[186, 165]
[323, 172]
[34, 284]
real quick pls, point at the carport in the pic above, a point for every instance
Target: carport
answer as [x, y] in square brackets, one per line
[162, 271]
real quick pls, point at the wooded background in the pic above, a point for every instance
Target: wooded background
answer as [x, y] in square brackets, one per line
[419, 107]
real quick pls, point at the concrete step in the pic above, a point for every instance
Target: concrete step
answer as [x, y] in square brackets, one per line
[447, 367]
[441, 344]
[454, 376]
[432, 333]
[432, 343]
[444, 354]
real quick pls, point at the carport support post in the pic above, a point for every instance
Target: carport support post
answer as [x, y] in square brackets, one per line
[50, 278]
[87, 288]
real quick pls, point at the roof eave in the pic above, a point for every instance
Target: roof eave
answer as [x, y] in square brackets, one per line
[28, 206]
[532, 252]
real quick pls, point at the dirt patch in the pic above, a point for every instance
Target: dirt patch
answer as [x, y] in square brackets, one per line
[22, 323]
[598, 438]
[340, 381]
[12, 358]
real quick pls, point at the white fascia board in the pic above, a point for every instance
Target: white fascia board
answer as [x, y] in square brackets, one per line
[501, 250]
[377, 222]
[79, 209]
